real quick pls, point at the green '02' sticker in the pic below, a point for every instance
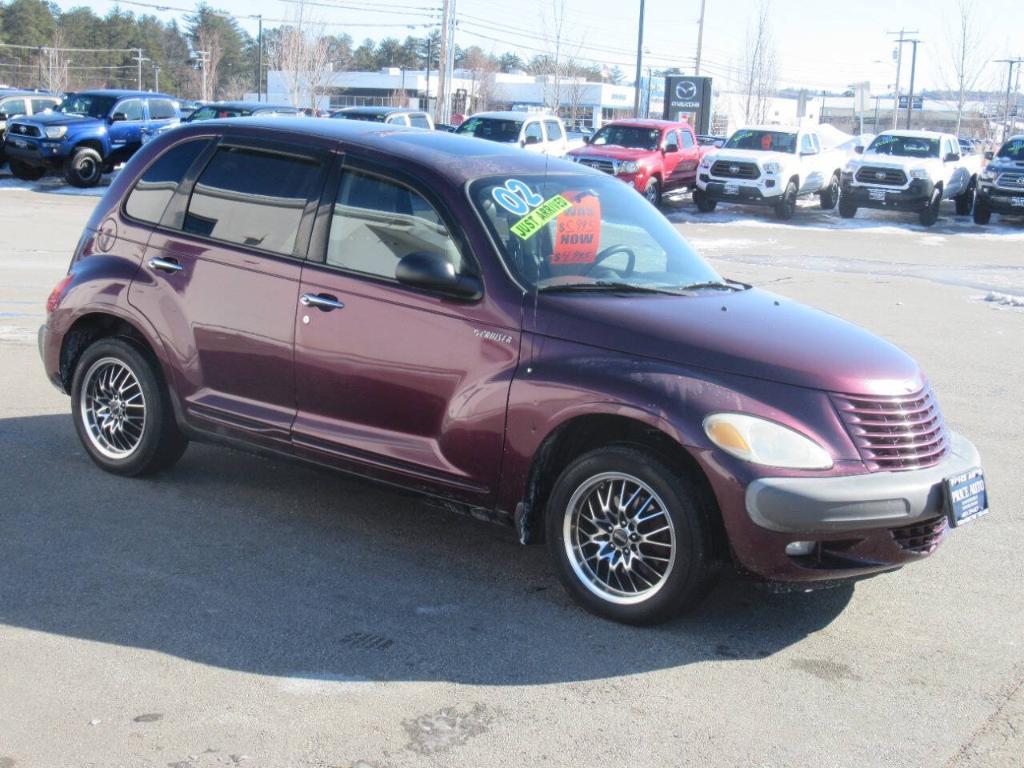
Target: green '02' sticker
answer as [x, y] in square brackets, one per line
[534, 221]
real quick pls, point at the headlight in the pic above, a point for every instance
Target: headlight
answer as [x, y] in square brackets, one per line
[851, 167]
[760, 441]
[919, 173]
[629, 167]
[56, 131]
[772, 167]
[989, 174]
[705, 162]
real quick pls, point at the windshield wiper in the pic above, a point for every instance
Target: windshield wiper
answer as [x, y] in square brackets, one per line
[710, 285]
[607, 285]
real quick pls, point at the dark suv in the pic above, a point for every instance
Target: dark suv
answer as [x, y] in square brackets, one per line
[518, 337]
[86, 135]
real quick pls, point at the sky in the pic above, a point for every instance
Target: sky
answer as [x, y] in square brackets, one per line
[820, 44]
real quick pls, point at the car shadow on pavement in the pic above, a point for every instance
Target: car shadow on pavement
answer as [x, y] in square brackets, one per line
[268, 567]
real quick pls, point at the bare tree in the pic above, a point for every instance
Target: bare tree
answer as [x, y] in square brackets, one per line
[208, 41]
[967, 55]
[759, 70]
[302, 52]
[54, 64]
[554, 25]
[575, 90]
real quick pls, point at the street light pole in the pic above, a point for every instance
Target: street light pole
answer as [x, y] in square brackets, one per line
[700, 37]
[1009, 84]
[259, 59]
[910, 95]
[639, 62]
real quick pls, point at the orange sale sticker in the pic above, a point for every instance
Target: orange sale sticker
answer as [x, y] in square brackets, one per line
[578, 231]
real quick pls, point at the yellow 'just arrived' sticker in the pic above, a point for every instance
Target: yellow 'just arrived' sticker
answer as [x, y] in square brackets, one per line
[534, 221]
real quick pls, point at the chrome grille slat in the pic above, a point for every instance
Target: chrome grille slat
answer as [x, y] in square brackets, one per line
[873, 174]
[735, 170]
[895, 433]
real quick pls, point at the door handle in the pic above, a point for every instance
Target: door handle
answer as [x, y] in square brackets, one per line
[165, 265]
[322, 301]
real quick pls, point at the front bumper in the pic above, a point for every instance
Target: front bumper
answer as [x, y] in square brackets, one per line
[914, 198]
[745, 192]
[36, 152]
[1000, 200]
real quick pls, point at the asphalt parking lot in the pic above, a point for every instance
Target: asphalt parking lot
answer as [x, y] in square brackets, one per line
[239, 611]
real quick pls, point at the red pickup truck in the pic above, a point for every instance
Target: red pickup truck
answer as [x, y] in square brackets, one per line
[653, 156]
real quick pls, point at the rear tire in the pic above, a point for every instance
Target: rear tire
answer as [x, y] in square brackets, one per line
[982, 215]
[786, 207]
[704, 203]
[26, 172]
[652, 192]
[629, 537]
[122, 409]
[829, 197]
[847, 208]
[930, 214]
[84, 168]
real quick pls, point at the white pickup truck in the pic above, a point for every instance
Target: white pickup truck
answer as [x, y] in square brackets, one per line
[910, 171]
[533, 131]
[770, 165]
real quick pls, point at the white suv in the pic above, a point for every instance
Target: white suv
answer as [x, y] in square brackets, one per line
[533, 131]
[910, 171]
[769, 165]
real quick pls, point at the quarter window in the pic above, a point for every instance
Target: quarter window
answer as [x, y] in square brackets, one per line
[162, 109]
[131, 109]
[252, 198]
[377, 222]
[158, 184]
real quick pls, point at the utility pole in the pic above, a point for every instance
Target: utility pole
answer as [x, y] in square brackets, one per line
[700, 37]
[139, 58]
[430, 42]
[203, 57]
[899, 66]
[1009, 84]
[639, 62]
[156, 77]
[910, 95]
[440, 112]
[259, 59]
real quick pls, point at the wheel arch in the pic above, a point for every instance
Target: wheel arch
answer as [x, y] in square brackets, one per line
[94, 325]
[90, 142]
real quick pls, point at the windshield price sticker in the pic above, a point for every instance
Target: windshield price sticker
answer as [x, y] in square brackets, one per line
[516, 197]
[578, 231]
[535, 220]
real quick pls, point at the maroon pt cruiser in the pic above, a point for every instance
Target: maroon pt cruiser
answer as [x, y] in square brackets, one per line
[523, 338]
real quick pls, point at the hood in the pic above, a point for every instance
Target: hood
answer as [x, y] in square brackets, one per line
[750, 333]
[893, 161]
[613, 152]
[753, 156]
[59, 118]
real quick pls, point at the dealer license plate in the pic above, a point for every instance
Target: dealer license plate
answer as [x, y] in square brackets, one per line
[966, 497]
[1017, 202]
[20, 143]
[732, 189]
[876, 194]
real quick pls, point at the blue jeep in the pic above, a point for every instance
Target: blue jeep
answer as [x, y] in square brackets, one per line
[86, 135]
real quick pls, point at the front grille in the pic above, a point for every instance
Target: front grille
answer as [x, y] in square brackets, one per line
[1011, 179]
[895, 433]
[921, 538]
[20, 129]
[737, 170]
[873, 174]
[608, 166]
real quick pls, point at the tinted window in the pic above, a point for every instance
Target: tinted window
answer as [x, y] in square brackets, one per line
[630, 136]
[41, 105]
[87, 105]
[162, 109]
[687, 138]
[419, 120]
[491, 128]
[252, 198]
[554, 130]
[765, 141]
[376, 222]
[131, 109]
[904, 146]
[13, 107]
[155, 189]
[533, 132]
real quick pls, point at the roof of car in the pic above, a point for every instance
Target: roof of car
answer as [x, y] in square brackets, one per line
[774, 128]
[247, 105]
[645, 122]
[511, 115]
[914, 134]
[375, 110]
[457, 157]
[6, 92]
[119, 93]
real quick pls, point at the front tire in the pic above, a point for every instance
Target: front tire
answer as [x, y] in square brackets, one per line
[84, 168]
[26, 172]
[830, 195]
[704, 203]
[981, 215]
[847, 208]
[965, 201]
[652, 192]
[786, 207]
[122, 410]
[629, 538]
[930, 214]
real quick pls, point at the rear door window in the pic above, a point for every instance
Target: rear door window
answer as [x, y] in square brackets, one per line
[252, 198]
[154, 190]
[162, 109]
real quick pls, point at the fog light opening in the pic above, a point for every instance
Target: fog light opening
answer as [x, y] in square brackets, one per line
[800, 548]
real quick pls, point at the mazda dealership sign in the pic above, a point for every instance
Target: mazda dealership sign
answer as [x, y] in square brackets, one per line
[690, 96]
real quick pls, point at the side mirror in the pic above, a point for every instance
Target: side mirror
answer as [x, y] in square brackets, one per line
[587, 139]
[531, 140]
[989, 155]
[3, 115]
[118, 117]
[951, 157]
[669, 148]
[433, 272]
[859, 149]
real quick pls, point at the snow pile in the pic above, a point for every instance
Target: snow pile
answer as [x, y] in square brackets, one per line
[1005, 299]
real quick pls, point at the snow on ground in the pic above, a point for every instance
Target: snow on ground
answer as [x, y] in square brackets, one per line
[1004, 299]
[54, 185]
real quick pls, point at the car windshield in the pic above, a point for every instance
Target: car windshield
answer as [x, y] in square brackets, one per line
[213, 112]
[372, 117]
[904, 146]
[576, 231]
[762, 141]
[87, 105]
[1012, 150]
[492, 129]
[630, 136]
